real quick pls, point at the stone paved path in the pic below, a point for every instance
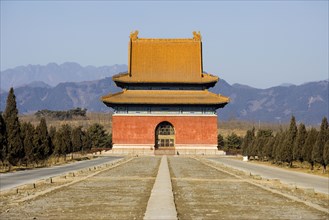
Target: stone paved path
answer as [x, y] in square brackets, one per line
[118, 193]
[200, 191]
[161, 203]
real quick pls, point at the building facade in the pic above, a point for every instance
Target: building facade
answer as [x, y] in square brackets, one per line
[165, 105]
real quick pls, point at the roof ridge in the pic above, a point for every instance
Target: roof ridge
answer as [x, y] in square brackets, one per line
[166, 39]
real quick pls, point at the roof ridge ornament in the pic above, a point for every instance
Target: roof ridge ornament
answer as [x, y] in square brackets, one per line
[134, 35]
[197, 35]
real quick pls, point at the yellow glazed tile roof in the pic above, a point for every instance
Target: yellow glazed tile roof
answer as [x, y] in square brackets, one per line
[153, 60]
[171, 97]
[125, 78]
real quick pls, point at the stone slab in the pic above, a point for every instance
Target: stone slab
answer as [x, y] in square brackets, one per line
[161, 203]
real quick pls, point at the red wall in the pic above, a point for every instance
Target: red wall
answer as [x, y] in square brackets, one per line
[141, 129]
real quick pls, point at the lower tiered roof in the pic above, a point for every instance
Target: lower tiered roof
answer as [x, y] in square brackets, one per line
[165, 97]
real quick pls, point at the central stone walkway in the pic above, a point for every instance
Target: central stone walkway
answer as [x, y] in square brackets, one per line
[161, 204]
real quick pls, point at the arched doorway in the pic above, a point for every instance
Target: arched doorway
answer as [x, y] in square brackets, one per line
[164, 135]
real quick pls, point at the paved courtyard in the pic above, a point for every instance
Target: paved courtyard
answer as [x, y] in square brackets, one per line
[201, 190]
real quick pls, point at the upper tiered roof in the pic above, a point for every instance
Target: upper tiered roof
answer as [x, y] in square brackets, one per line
[156, 61]
[170, 62]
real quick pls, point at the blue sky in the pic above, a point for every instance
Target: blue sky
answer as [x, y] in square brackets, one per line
[258, 43]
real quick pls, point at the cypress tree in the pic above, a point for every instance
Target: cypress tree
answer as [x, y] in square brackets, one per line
[263, 137]
[253, 147]
[279, 146]
[300, 141]
[288, 143]
[220, 142]
[27, 130]
[15, 147]
[86, 141]
[317, 153]
[52, 133]
[275, 146]
[326, 153]
[66, 131]
[268, 152]
[109, 140]
[3, 140]
[42, 140]
[308, 146]
[98, 136]
[77, 135]
[58, 144]
[233, 142]
[63, 143]
[247, 141]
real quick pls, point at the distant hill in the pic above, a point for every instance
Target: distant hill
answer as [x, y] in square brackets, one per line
[308, 102]
[64, 96]
[53, 74]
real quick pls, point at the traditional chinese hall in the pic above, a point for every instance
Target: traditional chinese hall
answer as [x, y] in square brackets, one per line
[165, 106]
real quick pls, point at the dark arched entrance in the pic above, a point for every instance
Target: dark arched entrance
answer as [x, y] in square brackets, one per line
[164, 135]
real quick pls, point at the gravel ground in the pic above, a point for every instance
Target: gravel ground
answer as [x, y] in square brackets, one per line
[118, 193]
[202, 192]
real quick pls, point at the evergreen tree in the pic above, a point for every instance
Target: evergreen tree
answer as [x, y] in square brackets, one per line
[63, 143]
[264, 133]
[260, 143]
[52, 133]
[42, 140]
[253, 148]
[86, 142]
[247, 141]
[300, 141]
[233, 142]
[220, 142]
[27, 130]
[288, 143]
[99, 137]
[308, 146]
[15, 147]
[66, 135]
[326, 153]
[3, 140]
[268, 151]
[274, 146]
[58, 144]
[279, 147]
[109, 140]
[77, 136]
[263, 137]
[317, 153]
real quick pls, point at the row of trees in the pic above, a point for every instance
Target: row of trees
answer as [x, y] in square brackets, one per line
[23, 143]
[286, 146]
[61, 115]
[293, 144]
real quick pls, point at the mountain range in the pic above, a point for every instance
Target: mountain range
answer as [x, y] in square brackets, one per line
[53, 74]
[79, 86]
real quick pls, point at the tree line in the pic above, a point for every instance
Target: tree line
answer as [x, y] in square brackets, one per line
[25, 144]
[61, 115]
[286, 146]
